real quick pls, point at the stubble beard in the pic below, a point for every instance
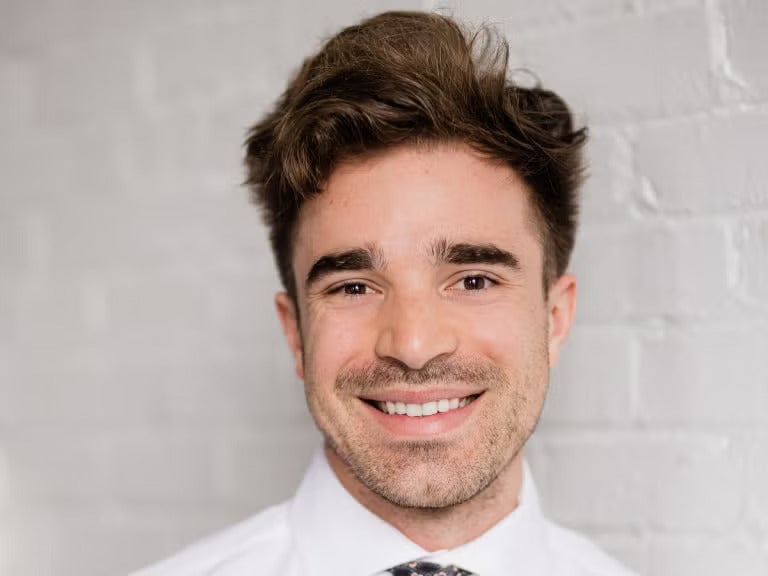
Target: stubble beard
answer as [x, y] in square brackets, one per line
[431, 474]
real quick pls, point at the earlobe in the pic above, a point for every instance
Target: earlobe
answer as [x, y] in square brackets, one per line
[286, 311]
[562, 306]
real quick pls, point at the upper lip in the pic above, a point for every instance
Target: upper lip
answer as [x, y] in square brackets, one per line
[420, 396]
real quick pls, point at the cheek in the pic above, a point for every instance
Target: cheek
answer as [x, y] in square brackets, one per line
[336, 340]
[504, 334]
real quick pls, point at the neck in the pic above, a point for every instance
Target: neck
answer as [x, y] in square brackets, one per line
[445, 528]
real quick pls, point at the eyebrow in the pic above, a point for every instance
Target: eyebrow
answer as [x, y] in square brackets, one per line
[367, 258]
[445, 252]
[441, 251]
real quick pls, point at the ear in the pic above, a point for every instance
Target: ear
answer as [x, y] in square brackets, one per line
[561, 305]
[286, 311]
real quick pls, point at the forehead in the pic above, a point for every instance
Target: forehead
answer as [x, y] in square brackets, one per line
[403, 199]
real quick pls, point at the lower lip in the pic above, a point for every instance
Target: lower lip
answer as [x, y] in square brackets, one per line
[422, 426]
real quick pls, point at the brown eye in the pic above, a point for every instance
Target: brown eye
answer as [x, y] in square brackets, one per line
[474, 283]
[354, 289]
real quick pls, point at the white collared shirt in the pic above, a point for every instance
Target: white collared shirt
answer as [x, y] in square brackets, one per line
[324, 531]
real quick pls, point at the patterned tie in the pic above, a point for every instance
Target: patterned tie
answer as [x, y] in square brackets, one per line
[427, 569]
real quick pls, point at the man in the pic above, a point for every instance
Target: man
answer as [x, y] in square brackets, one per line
[422, 211]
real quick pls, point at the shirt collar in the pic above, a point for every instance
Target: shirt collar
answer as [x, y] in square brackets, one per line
[329, 525]
[516, 545]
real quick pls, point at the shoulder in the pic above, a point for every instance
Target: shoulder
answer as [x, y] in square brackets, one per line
[265, 535]
[576, 555]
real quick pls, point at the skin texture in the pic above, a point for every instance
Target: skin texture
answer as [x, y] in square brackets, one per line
[414, 323]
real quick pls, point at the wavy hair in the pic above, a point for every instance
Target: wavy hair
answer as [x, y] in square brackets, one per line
[408, 78]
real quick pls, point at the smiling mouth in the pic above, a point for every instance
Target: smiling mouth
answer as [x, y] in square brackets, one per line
[425, 409]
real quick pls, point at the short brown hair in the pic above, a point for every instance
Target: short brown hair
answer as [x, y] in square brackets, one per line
[413, 77]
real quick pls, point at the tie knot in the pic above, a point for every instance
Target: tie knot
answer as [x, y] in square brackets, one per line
[427, 569]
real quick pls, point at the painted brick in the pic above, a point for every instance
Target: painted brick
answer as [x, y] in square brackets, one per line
[178, 527]
[706, 165]
[608, 486]
[605, 487]
[12, 246]
[651, 270]
[16, 90]
[213, 54]
[607, 194]
[207, 58]
[689, 472]
[119, 236]
[156, 466]
[753, 241]
[86, 81]
[592, 381]
[666, 53]
[663, 5]
[54, 168]
[5, 487]
[25, 29]
[713, 375]
[207, 390]
[75, 461]
[755, 447]
[524, 15]
[704, 555]
[259, 460]
[65, 530]
[33, 29]
[746, 22]
[170, 151]
[81, 381]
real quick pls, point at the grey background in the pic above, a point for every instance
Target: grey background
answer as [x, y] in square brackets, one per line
[146, 396]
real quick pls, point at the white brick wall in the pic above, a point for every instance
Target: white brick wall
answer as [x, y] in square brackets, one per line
[146, 397]
[735, 142]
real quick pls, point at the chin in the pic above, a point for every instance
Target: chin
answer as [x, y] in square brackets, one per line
[430, 492]
[426, 474]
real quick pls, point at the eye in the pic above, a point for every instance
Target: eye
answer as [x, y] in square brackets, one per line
[350, 289]
[474, 283]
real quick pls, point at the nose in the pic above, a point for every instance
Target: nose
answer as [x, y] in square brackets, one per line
[414, 331]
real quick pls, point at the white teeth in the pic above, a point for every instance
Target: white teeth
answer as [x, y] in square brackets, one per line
[426, 409]
[413, 409]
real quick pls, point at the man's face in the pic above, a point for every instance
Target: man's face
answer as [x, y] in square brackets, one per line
[419, 283]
